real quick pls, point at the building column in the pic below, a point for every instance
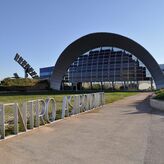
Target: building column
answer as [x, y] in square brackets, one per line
[62, 86]
[137, 85]
[113, 86]
[72, 87]
[91, 86]
[151, 80]
[101, 85]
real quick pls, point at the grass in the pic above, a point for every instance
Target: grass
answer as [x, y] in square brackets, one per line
[114, 96]
[21, 97]
[159, 94]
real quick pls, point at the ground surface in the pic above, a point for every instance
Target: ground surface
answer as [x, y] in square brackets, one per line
[124, 132]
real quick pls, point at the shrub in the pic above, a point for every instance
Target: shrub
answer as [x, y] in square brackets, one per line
[10, 82]
[159, 94]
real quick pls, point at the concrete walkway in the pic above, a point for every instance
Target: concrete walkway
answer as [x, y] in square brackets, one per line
[125, 132]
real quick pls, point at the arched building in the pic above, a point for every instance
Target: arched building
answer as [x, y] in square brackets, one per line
[105, 57]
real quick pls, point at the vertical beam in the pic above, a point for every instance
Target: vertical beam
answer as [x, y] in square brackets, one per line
[76, 86]
[37, 114]
[85, 102]
[91, 101]
[22, 118]
[24, 114]
[15, 119]
[40, 112]
[53, 109]
[101, 85]
[88, 101]
[47, 108]
[75, 105]
[137, 85]
[91, 85]
[64, 106]
[2, 122]
[113, 86]
[68, 104]
[31, 115]
[151, 80]
[62, 85]
[72, 86]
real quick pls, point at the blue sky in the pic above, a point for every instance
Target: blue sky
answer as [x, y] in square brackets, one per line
[41, 29]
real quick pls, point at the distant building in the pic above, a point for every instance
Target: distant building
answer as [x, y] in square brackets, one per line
[91, 68]
[105, 58]
[104, 65]
[162, 67]
[45, 73]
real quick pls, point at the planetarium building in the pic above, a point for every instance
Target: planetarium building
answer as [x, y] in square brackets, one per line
[106, 60]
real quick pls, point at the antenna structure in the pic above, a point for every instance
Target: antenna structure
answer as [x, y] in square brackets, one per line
[26, 66]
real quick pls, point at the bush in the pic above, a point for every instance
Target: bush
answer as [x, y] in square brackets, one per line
[159, 94]
[22, 84]
[10, 82]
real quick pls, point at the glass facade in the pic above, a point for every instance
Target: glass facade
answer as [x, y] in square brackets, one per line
[106, 65]
[162, 67]
[46, 72]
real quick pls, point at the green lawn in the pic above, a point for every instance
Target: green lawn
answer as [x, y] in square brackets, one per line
[20, 98]
[114, 96]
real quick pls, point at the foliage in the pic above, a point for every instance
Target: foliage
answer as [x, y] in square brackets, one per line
[159, 94]
[8, 82]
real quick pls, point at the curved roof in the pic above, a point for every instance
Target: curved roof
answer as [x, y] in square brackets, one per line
[95, 40]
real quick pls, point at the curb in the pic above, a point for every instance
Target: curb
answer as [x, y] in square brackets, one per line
[157, 104]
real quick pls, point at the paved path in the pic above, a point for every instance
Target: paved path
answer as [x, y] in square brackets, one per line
[125, 132]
